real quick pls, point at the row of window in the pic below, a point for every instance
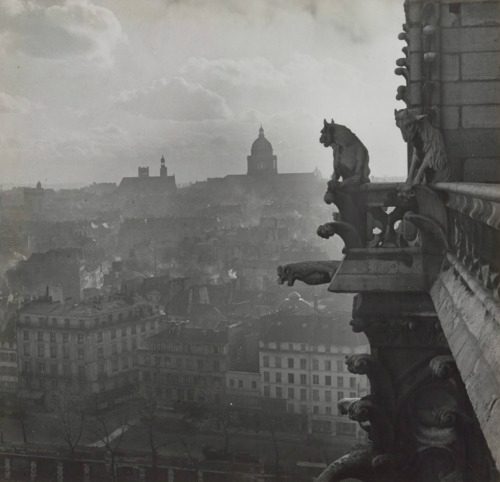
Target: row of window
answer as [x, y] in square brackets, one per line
[302, 363]
[182, 363]
[302, 394]
[67, 337]
[232, 383]
[292, 347]
[54, 321]
[8, 356]
[301, 379]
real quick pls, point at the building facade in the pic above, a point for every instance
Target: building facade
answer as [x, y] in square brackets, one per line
[90, 347]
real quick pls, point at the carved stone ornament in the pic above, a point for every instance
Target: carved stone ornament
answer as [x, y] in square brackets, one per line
[309, 272]
[429, 163]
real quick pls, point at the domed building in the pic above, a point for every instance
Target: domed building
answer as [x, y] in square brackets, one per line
[262, 160]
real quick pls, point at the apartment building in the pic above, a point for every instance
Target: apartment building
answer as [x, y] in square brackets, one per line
[90, 347]
[302, 366]
[185, 364]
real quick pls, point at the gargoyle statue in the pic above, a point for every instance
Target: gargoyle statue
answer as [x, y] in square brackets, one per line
[350, 162]
[429, 163]
[309, 272]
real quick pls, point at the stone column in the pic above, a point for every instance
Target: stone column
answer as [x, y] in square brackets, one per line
[86, 472]
[7, 468]
[142, 474]
[33, 470]
[60, 472]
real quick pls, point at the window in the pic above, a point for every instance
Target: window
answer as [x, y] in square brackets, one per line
[315, 379]
[340, 382]
[340, 366]
[346, 428]
[266, 361]
[199, 364]
[303, 409]
[53, 337]
[113, 333]
[315, 409]
[231, 382]
[80, 353]
[178, 362]
[316, 395]
[328, 396]
[113, 349]
[328, 365]
[266, 391]
[134, 330]
[79, 337]
[99, 337]
[53, 351]
[40, 352]
[240, 383]
[303, 394]
[216, 365]
[328, 380]
[65, 351]
[303, 347]
[26, 335]
[125, 362]
[66, 322]
[266, 376]
[39, 336]
[40, 366]
[277, 362]
[100, 353]
[81, 323]
[303, 364]
[303, 379]
[352, 382]
[290, 363]
[134, 343]
[278, 377]
[328, 410]
[291, 378]
[290, 346]
[66, 370]
[353, 394]
[291, 393]
[315, 364]
[279, 392]
[340, 396]
[124, 332]
[254, 384]
[81, 372]
[26, 350]
[53, 370]
[291, 408]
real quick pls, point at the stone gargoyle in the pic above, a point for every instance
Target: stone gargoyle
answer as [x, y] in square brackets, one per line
[309, 272]
[429, 163]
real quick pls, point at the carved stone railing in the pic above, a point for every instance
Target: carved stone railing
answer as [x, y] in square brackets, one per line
[424, 262]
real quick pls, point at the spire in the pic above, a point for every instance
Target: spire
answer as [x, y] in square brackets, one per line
[261, 131]
[162, 159]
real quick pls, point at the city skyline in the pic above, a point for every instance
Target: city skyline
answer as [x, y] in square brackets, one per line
[91, 90]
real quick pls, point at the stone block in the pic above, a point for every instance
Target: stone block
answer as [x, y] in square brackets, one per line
[449, 117]
[450, 67]
[447, 18]
[481, 116]
[415, 35]
[415, 66]
[481, 170]
[473, 39]
[480, 13]
[481, 66]
[415, 12]
[466, 93]
[463, 143]
[415, 93]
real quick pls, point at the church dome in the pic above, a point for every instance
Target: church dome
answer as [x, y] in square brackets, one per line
[261, 146]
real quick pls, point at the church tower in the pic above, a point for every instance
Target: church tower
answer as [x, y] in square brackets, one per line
[261, 161]
[163, 168]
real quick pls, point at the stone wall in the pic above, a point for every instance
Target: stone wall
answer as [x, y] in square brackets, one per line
[454, 67]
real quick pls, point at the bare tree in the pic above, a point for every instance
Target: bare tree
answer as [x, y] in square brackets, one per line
[20, 414]
[108, 437]
[70, 411]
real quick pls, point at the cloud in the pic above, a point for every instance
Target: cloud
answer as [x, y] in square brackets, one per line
[58, 30]
[176, 99]
[17, 104]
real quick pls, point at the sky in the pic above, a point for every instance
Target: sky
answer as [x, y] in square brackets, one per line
[90, 90]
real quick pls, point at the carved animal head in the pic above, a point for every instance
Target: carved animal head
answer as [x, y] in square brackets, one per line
[284, 274]
[407, 121]
[327, 138]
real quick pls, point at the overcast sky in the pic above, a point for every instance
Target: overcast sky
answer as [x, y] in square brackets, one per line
[89, 90]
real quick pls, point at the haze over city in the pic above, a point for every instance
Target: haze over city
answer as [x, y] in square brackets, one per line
[90, 90]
